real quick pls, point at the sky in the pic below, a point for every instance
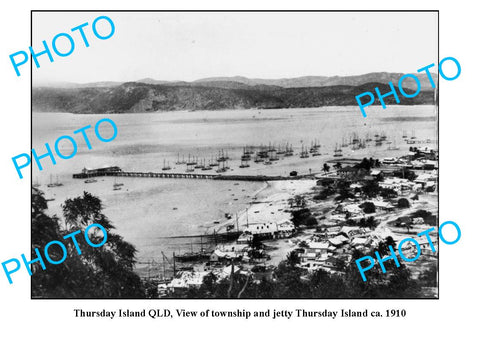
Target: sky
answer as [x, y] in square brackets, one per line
[194, 45]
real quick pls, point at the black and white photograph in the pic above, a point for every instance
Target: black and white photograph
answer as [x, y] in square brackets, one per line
[236, 155]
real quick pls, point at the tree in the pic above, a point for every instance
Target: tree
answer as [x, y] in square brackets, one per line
[291, 202]
[311, 221]
[256, 242]
[292, 259]
[326, 286]
[403, 203]
[368, 207]
[383, 247]
[303, 244]
[366, 164]
[429, 277]
[405, 173]
[370, 188]
[289, 279]
[369, 222]
[300, 216]
[300, 201]
[324, 193]
[338, 166]
[104, 272]
[326, 168]
[388, 193]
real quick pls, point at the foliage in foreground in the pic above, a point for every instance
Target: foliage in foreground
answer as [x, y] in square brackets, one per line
[104, 272]
[293, 282]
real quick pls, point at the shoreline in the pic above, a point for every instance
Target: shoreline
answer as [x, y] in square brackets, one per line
[270, 203]
[226, 110]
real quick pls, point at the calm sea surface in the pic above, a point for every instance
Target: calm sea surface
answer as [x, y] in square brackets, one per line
[147, 210]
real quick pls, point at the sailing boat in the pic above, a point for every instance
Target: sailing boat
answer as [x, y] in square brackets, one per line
[244, 163]
[166, 166]
[246, 155]
[198, 165]
[394, 147]
[337, 151]
[224, 168]
[316, 152]
[205, 166]
[213, 162]
[117, 186]
[304, 153]
[190, 167]
[221, 156]
[412, 139]
[355, 138]
[189, 162]
[180, 161]
[36, 184]
[56, 184]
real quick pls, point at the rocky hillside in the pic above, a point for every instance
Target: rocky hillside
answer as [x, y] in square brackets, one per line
[203, 95]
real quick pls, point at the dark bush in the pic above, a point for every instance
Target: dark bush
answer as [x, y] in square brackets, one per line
[311, 221]
[368, 207]
[403, 203]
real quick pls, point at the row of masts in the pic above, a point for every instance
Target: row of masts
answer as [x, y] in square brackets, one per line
[267, 154]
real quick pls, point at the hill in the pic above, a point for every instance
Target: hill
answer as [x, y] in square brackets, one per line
[319, 81]
[205, 95]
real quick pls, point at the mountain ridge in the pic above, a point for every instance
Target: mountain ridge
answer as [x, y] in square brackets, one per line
[138, 97]
[304, 81]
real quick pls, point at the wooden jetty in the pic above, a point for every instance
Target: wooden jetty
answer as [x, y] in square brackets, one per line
[254, 178]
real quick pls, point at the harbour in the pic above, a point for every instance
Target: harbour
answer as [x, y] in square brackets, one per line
[182, 218]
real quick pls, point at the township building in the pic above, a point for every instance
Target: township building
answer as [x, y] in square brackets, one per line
[267, 230]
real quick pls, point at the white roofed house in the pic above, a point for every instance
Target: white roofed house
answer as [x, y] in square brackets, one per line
[338, 240]
[351, 231]
[389, 160]
[426, 247]
[353, 211]
[285, 229]
[360, 243]
[245, 238]
[426, 179]
[187, 279]
[398, 184]
[220, 254]
[308, 255]
[386, 206]
[270, 230]
[319, 247]
[376, 173]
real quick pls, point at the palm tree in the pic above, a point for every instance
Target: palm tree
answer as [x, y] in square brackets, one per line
[326, 168]
[103, 272]
[299, 201]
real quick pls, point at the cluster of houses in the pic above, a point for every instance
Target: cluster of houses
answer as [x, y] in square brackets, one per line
[220, 261]
[333, 243]
[326, 247]
[334, 239]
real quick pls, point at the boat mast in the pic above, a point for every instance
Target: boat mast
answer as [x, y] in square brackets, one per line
[174, 270]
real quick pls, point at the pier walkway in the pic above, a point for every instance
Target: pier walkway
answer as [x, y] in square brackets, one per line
[254, 178]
